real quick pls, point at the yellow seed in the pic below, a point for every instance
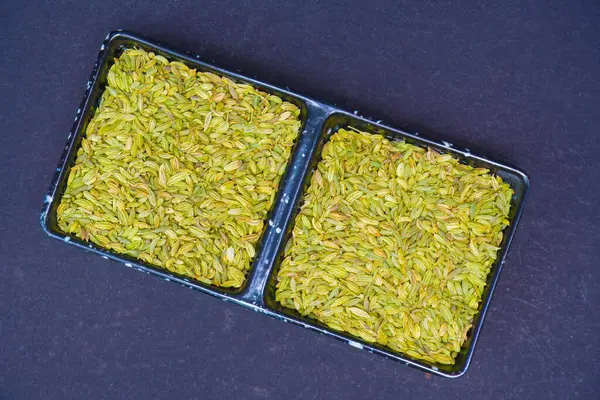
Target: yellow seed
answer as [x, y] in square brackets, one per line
[230, 254]
[359, 312]
[233, 165]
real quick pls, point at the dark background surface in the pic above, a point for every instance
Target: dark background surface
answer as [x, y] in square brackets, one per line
[514, 80]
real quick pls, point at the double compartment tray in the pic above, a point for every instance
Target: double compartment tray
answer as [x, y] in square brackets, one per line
[319, 122]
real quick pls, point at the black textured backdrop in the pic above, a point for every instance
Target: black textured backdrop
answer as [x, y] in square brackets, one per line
[515, 80]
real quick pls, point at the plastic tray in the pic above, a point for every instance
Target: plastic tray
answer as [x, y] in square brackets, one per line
[320, 120]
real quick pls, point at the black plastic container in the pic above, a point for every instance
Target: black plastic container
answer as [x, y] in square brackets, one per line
[320, 120]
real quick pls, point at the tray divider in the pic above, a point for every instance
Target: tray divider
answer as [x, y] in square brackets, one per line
[288, 196]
